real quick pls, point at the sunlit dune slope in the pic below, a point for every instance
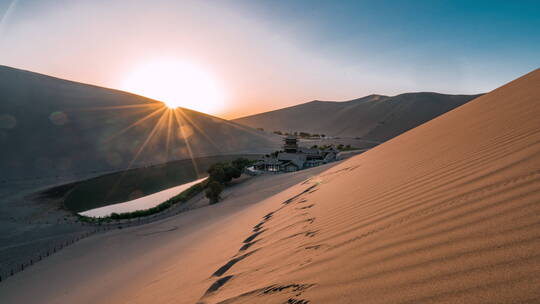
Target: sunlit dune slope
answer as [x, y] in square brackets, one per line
[446, 213]
[374, 117]
[55, 127]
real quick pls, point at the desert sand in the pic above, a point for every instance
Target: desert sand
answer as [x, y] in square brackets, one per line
[107, 261]
[448, 212]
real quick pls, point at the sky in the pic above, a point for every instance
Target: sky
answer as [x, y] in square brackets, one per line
[265, 55]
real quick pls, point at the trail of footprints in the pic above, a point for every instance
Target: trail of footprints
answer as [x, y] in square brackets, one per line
[298, 289]
[258, 229]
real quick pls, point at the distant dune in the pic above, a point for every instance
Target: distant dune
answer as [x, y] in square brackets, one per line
[374, 117]
[446, 213]
[50, 127]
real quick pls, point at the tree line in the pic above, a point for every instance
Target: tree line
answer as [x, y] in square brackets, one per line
[220, 174]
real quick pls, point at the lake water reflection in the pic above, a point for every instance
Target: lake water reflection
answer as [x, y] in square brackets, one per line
[142, 203]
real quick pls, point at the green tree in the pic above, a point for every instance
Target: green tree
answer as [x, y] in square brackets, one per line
[220, 174]
[216, 172]
[241, 163]
[213, 190]
[231, 172]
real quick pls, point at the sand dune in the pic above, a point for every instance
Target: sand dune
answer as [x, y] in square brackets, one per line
[446, 213]
[374, 117]
[54, 127]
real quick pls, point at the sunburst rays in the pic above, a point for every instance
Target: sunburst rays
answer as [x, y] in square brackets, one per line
[186, 141]
[169, 131]
[193, 124]
[138, 122]
[166, 126]
[122, 107]
[169, 134]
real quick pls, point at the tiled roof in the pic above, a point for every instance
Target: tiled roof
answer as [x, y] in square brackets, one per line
[297, 159]
[309, 151]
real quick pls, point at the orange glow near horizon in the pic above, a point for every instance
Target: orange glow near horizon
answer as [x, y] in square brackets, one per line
[177, 84]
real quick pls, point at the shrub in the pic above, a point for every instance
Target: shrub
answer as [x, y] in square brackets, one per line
[213, 191]
[241, 163]
[232, 172]
[324, 147]
[216, 172]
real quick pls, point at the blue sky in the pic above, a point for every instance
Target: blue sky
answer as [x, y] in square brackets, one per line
[436, 37]
[271, 54]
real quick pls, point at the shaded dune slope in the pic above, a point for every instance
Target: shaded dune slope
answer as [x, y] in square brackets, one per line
[373, 117]
[446, 213]
[54, 127]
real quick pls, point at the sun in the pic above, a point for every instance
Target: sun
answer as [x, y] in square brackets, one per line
[177, 84]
